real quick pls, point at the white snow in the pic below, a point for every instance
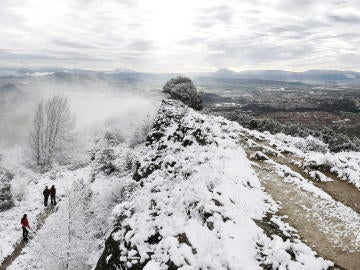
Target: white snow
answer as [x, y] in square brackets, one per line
[195, 205]
[320, 176]
[346, 165]
[202, 208]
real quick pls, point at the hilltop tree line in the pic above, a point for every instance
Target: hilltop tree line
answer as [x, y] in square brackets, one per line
[337, 142]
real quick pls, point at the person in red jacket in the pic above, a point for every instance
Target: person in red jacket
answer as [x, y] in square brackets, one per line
[52, 195]
[25, 225]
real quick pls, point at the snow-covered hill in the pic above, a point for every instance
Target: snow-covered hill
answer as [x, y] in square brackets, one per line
[200, 192]
[199, 204]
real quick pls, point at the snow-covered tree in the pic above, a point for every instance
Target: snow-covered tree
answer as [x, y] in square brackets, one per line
[183, 89]
[175, 81]
[6, 200]
[52, 128]
[77, 199]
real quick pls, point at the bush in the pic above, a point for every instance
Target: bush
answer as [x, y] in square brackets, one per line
[175, 81]
[6, 201]
[141, 132]
[336, 142]
[18, 187]
[183, 89]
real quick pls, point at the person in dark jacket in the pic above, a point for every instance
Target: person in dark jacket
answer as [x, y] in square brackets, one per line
[52, 195]
[46, 194]
[25, 225]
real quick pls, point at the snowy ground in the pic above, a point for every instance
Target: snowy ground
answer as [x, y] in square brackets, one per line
[311, 201]
[85, 197]
[27, 188]
[187, 198]
[199, 204]
[315, 154]
[87, 193]
[89, 225]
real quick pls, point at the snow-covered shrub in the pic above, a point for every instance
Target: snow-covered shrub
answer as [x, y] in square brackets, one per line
[187, 93]
[336, 142]
[298, 144]
[6, 200]
[311, 144]
[105, 159]
[112, 159]
[18, 187]
[183, 89]
[113, 138]
[14, 162]
[341, 142]
[174, 81]
[346, 165]
[141, 132]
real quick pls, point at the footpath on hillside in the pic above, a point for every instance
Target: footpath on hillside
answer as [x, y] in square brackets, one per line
[325, 214]
[40, 220]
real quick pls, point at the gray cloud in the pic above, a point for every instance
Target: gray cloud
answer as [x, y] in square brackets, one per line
[58, 56]
[252, 51]
[217, 14]
[348, 19]
[182, 35]
[141, 45]
[192, 41]
[74, 45]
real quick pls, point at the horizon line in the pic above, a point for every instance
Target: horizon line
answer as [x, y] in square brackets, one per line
[129, 70]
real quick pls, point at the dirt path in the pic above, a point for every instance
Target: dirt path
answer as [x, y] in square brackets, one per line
[340, 190]
[329, 227]
[40, 218]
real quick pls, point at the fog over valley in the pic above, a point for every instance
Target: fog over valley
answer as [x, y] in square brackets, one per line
[93, 105]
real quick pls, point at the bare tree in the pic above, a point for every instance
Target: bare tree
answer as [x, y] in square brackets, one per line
[36, 135]
[52, 127]
[77, 199]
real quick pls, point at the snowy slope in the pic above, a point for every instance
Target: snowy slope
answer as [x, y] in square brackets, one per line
[315, 155]
[71, 234]
[199, 204]
[186, 198]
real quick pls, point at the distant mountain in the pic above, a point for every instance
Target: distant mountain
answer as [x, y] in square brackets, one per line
[237, 83]
[124, 74]
[9, 93]
[21, 72]
[66, 77]
[122, 70]
[9, 89]
[225, 73]
[311, 76]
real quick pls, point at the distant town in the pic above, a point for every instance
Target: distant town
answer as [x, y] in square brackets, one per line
[336, 107]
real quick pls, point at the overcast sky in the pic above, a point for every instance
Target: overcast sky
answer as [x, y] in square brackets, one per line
[182, 35]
